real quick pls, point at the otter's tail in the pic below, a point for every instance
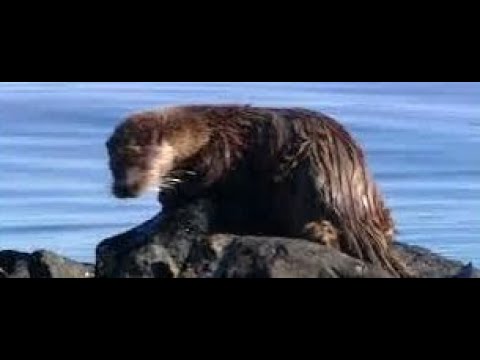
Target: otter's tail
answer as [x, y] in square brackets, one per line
[367, 243]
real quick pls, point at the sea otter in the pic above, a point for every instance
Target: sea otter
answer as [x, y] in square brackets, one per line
[270, 171]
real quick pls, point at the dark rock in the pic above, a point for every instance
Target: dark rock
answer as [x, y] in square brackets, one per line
[14, 264]
[157, 248]
[45, 264]
[261, 257]
[41, 264]
[178, 245]
[468, 272]
[430, 265]
[205, 255]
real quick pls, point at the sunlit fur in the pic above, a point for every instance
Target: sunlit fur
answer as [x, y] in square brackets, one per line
[272, 171]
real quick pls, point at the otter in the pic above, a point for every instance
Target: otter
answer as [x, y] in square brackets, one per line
[288, 172]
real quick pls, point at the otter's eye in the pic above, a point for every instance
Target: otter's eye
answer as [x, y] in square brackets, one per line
[133, 150]
[128, 152]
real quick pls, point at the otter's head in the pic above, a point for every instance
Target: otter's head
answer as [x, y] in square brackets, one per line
[140, 156]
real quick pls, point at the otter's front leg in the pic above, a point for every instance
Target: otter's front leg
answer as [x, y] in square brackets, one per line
[183, 193]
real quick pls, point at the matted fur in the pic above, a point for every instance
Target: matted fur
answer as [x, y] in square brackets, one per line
[271, 171]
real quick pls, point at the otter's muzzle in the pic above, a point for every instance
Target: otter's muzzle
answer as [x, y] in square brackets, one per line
[124, 192]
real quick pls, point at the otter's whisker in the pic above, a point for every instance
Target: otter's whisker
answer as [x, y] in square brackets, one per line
[166, 186]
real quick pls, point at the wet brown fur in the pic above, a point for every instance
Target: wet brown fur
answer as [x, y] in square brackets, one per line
[287, 172]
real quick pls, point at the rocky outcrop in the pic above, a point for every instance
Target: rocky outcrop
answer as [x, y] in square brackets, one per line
[159, 248]
[177, 245]
[41, 264]
[430, 265]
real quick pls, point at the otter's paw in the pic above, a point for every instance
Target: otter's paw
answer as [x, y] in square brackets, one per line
[322, 232]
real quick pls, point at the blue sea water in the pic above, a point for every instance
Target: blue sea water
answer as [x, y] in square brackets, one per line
[422, 141]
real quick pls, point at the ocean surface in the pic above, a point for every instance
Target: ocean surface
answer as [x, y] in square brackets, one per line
[422, 141]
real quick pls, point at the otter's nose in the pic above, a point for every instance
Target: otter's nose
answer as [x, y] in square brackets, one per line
[122, 192]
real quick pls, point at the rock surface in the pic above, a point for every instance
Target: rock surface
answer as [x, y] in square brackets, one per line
[179, 245]
[41, 265]
[159, 248]
[431, 265]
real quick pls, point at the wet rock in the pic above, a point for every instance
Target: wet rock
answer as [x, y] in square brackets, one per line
[157, 248]
[430, 265]
[14, 264]
[261, 257]
[41, 264]
[46, 264]
[178, 245]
